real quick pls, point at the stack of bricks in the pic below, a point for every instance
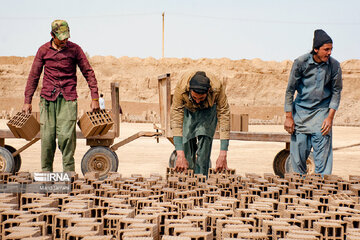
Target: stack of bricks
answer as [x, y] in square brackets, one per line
[186, 206]
[24, 126]
[95, 123]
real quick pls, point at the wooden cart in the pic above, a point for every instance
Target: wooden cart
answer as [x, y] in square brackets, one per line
[102, 157]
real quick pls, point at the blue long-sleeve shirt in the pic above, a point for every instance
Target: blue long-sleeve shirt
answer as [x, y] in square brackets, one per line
[318, 87]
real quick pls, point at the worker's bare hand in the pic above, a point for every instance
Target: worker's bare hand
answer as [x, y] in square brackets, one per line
[95, 105]
[289, 125]
[27, 108]
[221, 162]
[181, 162]
[326, 126]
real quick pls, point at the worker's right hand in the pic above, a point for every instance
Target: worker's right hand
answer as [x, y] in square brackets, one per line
[27, 108]
[289, 124]
[181, 162]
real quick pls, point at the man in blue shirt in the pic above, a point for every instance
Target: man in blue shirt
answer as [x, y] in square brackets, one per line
[316, 77]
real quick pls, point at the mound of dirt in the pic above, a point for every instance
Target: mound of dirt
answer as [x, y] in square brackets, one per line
[253, 86]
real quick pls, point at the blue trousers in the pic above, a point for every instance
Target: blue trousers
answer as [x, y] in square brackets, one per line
[300, 147]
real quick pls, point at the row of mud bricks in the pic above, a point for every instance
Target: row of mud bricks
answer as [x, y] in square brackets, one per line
[186, 207]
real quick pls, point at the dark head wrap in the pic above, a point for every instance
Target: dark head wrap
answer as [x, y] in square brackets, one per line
[200, 83]
[320, 38]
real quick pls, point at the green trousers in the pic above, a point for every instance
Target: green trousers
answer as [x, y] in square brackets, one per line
[58, 120]
[197, 152]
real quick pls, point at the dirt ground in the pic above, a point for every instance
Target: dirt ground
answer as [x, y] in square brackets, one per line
[145, 156]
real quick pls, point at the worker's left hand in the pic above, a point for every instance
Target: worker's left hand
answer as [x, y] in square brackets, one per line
[221, 163]
[326, 126]
[95, 105]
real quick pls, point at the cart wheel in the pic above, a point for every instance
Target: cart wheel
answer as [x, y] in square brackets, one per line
[17, 158]
[310, 165]
[172, 159]
[7, 163]
[279, 162]
[99, 159]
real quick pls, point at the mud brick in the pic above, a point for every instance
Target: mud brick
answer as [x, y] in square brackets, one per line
[135, 233]
[262, 208]
[198, 235]
[32, 217]
[330, 230]
[289, 199]
[179, 230]
[183, 204]
[338, 215]
[126, 222]
[355, 189]
[198, 221]
[245, 212]
[91, 124]
[268, 227]
[77, 232]
[167, 237]
[307, 221]
[227, 212]
[253, 235]
[157, 189]
[111, 223]
[98, 212]
[38, 238]
[259, 219]
[307, 234]
[24, 126]
[61, 222]
[109, 202]
[353, 221]
[211, 197]
[170, 224]
[143, 203]
[150, 227]
[96, 226]
[4, 177]
[8, 199]
[10, 223]
[246, 199]
[212, 219]
[99, 237]
[232, 222]
[10, 214]
[152, 219]
[128, 213]
[232, 231]
[157, 198]
[20, 234]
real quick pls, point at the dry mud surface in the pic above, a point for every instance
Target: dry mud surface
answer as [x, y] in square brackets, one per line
[145, 156]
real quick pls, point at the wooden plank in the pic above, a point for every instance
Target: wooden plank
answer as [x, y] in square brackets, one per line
[235, 122]
[164, 89]
[25, 146]
[115, 105]
[8, 134]
[263, 137]
[244, 122]
[134, 137]
[99, 142]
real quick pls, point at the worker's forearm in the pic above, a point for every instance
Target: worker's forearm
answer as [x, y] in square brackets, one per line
[288, 115]
[332, 113]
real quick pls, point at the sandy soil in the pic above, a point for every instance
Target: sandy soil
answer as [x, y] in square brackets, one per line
[145, 156]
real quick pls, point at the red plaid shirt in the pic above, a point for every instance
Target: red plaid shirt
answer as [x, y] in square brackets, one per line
[59, 73]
